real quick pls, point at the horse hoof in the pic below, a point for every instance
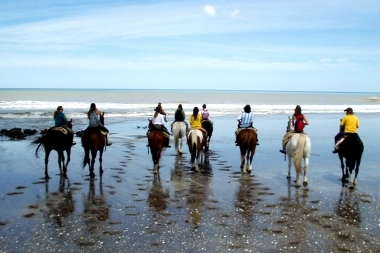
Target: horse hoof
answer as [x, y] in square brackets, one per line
[305, 184]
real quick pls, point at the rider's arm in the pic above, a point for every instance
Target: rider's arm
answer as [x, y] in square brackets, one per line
[305, 119]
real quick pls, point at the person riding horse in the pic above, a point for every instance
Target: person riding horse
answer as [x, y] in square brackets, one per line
[179, 116]
[60, 120]
[348, 127]
[245, 120]
[94, 115]
[158, 122]
[298, 122]
[196, 121]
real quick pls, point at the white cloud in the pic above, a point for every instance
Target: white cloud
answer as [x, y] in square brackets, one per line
[210, 10]
[234, 13]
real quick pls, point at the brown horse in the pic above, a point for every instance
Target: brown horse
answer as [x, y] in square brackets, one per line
[209, 127]
[196, 142]
[93, 141]
[58, 139]
[247, 139]
[157, 140]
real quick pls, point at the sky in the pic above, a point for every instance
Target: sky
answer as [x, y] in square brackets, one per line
[284, 45]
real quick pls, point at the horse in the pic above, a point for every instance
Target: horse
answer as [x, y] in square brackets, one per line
[209, 127]
[196, 142]
[298, 148]
[247, 140]
[157, 140]
[351, 149]
[179, 132]
[58, 139]
[94, 141]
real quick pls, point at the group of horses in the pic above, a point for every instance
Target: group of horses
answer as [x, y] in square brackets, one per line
[197, 141]
[297, 149]
[57, 138]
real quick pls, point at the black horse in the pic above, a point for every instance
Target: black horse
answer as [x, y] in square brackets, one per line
[351, 149]
[209, 127]
[59, 139]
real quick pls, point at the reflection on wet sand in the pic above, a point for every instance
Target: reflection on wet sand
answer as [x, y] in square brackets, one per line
[158, 198]
[60, 203]
[348, 207]
[95, 208]
[198, 191]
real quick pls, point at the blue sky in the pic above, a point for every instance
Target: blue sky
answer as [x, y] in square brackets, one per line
[230, 45]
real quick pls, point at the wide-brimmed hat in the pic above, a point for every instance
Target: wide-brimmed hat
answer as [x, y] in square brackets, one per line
[349, 110]
[157, 109]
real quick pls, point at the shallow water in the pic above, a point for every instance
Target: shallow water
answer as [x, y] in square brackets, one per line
[217, 209]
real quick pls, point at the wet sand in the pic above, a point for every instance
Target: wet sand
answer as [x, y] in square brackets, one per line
[129, 209]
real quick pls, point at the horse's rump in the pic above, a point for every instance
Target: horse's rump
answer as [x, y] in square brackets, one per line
[246, 137]
[93, 138]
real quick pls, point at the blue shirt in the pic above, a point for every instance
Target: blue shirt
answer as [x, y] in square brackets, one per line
[60, 120]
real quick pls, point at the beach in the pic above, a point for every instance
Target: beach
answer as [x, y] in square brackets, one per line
[129, 209]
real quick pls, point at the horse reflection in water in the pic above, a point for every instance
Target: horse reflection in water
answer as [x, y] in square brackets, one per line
[158, 198]
[348, 207]
[95, 205]
[198, 193]
[60, 204]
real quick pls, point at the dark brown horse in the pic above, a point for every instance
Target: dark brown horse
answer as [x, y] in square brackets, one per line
[196, 142]
[351, 149]
[247, 139]
[93, 141]
[58, 139]
[209, 127]
[156, 140]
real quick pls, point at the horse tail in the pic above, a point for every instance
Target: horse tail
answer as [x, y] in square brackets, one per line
[86, 158]
[38, 143]
[301, 143]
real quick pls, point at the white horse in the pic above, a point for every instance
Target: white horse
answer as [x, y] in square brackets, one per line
[196, 142]
[298, 148]
[179, 132]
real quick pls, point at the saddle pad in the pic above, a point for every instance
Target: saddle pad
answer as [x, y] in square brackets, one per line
[198, 134]
[61, 129]
[103, 132]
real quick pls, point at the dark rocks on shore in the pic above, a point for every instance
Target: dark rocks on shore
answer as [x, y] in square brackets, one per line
[17, 133]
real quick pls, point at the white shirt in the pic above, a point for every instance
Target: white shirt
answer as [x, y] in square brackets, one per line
[159, 120]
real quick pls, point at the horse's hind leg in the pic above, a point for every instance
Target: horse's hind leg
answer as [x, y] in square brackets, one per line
[289, 165]
[93, 157]
[61, 162]
[47, 153]
[249, 162]
[100, 162]
[305, 168]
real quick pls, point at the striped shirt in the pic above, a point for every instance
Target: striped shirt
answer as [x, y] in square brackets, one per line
[245, 119]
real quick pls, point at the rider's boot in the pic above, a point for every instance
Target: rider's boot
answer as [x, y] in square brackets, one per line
[167, 144]
[109, 143]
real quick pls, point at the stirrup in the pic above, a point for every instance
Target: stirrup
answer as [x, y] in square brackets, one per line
[283, 151]
[109, 144]
[72, 144]
[335, 151]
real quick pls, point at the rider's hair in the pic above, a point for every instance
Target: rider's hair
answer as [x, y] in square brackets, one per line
[92, 108]
[56, 112]
[297, 110]
[195, 112]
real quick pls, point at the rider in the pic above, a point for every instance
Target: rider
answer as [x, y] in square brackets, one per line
[94, 115]
[195, 119]
[245, 120]
[158, 122]
[162, 111]
[60, 120]
[349, 126]
[298, 119]
[179, 115]
[205, 114]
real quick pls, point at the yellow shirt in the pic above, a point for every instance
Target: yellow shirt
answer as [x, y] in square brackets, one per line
[350, 123]
[196, 123]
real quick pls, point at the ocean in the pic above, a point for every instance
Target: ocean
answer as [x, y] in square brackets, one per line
[41, 103]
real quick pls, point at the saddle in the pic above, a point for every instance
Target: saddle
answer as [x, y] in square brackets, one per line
[240, 129]
[61, 129]
[354, 138]
[201, 129]
[159, 128]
